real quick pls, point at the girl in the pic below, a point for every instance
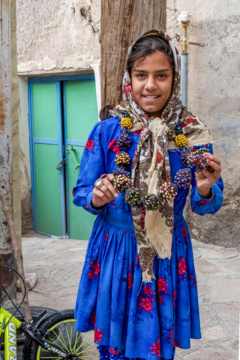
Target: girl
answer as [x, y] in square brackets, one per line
[138, 288]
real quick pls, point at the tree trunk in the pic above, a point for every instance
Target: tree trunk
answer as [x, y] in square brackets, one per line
[122, 21]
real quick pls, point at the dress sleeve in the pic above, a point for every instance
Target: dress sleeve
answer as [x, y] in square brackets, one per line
[91, 168]
[203, 206]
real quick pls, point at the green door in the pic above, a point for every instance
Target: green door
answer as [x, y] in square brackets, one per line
[80, 115]
[62, 113]
[47, 184]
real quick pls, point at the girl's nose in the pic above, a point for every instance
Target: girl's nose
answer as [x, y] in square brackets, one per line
[150, 83]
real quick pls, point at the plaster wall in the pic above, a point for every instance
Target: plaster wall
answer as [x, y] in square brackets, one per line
[57, 36]
[9, 142]
[214, 88]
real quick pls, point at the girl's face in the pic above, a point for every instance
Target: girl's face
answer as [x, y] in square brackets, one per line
[152, 79]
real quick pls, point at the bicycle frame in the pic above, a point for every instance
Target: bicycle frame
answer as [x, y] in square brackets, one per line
[10, 333]
[10, 337]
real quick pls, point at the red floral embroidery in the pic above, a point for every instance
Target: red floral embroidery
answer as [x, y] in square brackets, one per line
[89, 144]
[136, 132]
[162, 284]
[203, 202]
[184, 231]
[93, 319]
[130, 281]
[182, 266]
[146, 303]
[137, 259]
[156, 348]
[159, 157]
[142, 219]
[113, 351]
[73, 192]
[95, 269]
[176, 344]
[174, 298]
[191, 120]
[112, 144]
[183, 125]
[112, 203]
[131, 266]
[160, 299]
[147, 290]
[106, 237]
[168, 38]
[194, 280]
[124, 233]
[98, 334]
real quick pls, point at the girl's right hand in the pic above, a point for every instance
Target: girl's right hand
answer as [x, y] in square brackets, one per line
[105, 194]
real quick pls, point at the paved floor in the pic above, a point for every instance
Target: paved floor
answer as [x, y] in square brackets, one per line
[58, 264]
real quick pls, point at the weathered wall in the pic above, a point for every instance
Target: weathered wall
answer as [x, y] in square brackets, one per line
[58, 35]
[9, 165]
[214, 88]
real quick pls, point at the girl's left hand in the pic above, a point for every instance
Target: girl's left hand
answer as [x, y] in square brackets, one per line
[208, 177]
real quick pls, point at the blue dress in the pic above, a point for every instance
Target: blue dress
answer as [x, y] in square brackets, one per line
[134, 319]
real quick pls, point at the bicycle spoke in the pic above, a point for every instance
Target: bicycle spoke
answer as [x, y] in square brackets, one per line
[84, 341]
[70, 345]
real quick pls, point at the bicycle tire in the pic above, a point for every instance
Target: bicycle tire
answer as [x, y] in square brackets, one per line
[59, 328]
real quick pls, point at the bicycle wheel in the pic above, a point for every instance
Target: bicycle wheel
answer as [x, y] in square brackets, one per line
[59, 329]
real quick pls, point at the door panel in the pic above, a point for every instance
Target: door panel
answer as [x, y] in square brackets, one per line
[80, 115]
[48, 200]
[45, 111]
[47, 142]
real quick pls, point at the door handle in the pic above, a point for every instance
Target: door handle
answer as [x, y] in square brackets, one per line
[59, 166]
[75, 157]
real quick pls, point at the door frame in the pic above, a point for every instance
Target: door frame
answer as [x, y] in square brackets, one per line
[61, 119]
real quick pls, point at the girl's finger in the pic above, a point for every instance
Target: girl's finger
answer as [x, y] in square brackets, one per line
[101, 195]
[110, 187]
[215, 166]
[213, 158]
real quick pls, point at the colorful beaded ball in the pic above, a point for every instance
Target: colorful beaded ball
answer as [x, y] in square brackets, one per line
[121, 171]
[122, 159]
[167, 191]
[133, 197]
[183, 178]
[124, 141]
[198, 159]
[151, 202]
[181, 140]
[126, 122]
[184, 156]
[121, 183]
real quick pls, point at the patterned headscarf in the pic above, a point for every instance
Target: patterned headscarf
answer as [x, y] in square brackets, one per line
[151, 168]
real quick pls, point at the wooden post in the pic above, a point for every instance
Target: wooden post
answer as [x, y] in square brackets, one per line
[122, 21]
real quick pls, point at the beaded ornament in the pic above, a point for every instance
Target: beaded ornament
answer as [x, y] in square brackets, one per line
[167, 191]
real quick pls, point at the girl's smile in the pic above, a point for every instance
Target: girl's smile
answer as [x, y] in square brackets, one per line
[152, 79]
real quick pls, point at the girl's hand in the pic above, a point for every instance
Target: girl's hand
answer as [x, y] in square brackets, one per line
[105, 193]
[208, 177]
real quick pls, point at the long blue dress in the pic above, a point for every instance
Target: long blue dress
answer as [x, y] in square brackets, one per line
[131, 318]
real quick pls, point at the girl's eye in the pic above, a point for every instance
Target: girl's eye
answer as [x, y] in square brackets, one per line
[140, 76]
[162, 76]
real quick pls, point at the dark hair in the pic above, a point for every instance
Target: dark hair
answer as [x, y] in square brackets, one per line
[149, 45]
[104, 112]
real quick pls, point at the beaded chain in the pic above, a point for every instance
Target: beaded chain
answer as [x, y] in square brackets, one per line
[168, 191]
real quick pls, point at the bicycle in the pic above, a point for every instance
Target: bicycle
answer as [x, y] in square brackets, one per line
[48, 336]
